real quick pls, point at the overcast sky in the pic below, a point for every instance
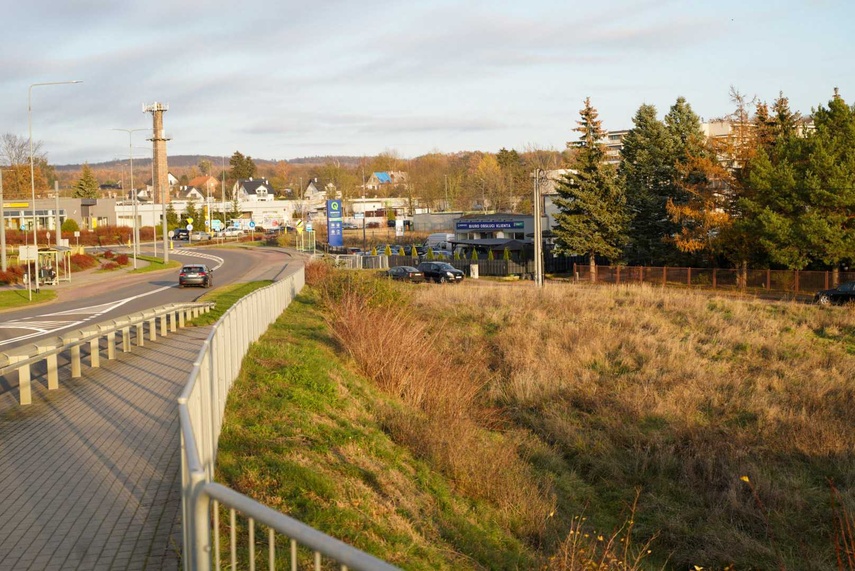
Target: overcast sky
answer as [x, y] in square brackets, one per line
[283, 79]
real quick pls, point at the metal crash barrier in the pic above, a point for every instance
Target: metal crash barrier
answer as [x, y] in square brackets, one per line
[21, 359]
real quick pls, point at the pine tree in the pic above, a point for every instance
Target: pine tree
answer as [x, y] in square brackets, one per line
[87, 186]
[592, 217]
[647, 172]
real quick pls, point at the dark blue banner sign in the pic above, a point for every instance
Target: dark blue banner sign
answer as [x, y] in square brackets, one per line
[492, 225]
[334, 231]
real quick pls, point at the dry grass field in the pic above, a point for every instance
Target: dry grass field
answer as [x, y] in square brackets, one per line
[609, 427]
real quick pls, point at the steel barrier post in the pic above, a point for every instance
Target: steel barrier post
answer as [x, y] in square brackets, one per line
[181, 318]
[111, 345]
[140, 334]
[173, 326]
[95, 352]
[152, 329]
[25, 391]
[75, 362]
[126, 340]
[163, 325]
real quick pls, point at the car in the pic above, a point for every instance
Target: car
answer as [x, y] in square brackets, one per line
[199, 235]
[405, 274]
[232, 232]
[349, 226]
[441, 272]
[844, 293]
[196, 274]
[180, 234]
[275, 231]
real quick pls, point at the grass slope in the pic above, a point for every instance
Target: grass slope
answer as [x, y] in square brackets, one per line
[499, 427]
[302, 436]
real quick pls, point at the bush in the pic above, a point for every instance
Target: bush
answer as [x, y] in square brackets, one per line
[109, 266]
[122, 259]
[108, 254]
[83, 262]
[70, 225]
[7, 278]
[490, 256]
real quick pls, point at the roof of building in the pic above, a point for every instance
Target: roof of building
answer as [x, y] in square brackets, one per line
[253, 184]
[383, 177]
[497, 216]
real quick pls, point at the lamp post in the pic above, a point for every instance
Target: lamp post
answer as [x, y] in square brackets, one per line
[2, 227]
[32, 164]
[539, 176]
[134, 227]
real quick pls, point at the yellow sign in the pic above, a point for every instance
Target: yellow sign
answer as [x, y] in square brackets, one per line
[190, 220]
[16, 205]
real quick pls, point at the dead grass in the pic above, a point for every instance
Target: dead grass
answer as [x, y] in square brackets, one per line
[680, 393]
[442, 419]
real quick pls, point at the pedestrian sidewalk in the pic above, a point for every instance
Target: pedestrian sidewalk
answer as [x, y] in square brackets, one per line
[90, 474]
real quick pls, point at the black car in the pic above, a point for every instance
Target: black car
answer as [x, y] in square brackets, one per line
[406, 274]
[441, 272]
[196, 274]
[844, 293]
[181, 234]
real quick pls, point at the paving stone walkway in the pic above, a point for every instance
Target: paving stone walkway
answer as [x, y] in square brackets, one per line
[90, 473]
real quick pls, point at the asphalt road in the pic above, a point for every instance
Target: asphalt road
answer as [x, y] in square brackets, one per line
[98, 297]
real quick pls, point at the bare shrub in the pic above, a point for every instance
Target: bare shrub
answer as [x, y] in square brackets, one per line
[407, 357]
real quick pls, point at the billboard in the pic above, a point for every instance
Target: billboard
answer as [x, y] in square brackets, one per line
[334, 223]
[490, 225]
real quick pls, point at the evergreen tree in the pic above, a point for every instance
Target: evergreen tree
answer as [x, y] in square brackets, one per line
[190, 211]
[685, 129]
[804, 198]
[87, 186]
[172, 220]
[243, 167]
[592, 217]
[647, 173]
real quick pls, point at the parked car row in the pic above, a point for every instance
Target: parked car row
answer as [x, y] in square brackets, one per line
[439, 272]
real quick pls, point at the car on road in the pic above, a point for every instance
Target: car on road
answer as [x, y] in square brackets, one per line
[350, 226]
[199, 235]
[441, 272]
[405, 274]
[180, 234]
[196, 274]
[232, 232]
[844, 293]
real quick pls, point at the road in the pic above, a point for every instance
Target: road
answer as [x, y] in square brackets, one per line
[105, 296]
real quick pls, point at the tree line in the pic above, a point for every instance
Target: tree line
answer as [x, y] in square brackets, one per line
[775, 189]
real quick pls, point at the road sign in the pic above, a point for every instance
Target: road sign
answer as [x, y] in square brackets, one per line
[217, 225]
[358, 215]
[189, 227]
[170, 233]
[251, 224]
[190, 220]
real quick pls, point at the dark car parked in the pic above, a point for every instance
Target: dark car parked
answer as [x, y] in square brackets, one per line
[844, 293]
[181, 234]
[406, 274]
[441, 272]
[196, 274]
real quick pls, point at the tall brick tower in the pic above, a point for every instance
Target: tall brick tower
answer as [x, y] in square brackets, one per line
[160, 182]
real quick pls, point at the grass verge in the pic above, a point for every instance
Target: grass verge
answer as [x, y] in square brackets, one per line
[13, 298]
[155, 265]
[224, 298]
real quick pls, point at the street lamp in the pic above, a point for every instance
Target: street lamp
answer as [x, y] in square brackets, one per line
[539, 176]
[32, 164]
[134, 227]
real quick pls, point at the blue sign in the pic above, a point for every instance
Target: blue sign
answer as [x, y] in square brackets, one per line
[251, 224]
[216, 225]
[334, 230]
[492, 225]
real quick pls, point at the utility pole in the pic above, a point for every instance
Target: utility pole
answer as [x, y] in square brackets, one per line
[538, 230]
[2, 227]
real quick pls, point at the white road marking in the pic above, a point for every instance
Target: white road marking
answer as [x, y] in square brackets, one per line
[39, 326]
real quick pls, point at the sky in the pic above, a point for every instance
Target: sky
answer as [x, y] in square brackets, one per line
[279, 79]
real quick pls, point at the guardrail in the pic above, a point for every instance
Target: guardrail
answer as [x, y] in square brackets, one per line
[22, 358]
[201, 410]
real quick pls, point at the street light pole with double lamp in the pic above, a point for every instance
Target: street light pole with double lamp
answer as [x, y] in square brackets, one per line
[32, 166]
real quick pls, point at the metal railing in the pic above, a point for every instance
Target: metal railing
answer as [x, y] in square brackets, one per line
[201, 411]
[21, 359]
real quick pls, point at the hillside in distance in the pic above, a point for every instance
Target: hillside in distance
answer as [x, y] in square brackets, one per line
[187, 161]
